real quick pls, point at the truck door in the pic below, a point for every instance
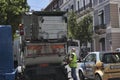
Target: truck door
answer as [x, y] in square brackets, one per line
[90, 65]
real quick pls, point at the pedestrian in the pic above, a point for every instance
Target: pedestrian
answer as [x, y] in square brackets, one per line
[73, 63]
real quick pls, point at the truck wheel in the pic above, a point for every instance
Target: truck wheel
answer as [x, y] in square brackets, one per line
[97, 77]
[81, 76]
[22, 77]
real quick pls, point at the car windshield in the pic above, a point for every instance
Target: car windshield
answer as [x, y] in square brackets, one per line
[111, 58]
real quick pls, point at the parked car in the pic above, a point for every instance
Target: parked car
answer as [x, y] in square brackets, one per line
[100, 66]
[117, 49]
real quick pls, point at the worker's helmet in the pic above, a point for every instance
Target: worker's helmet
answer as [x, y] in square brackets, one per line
[73, 49]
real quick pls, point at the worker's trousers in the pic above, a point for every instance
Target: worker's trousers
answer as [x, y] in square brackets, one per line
[73, 73]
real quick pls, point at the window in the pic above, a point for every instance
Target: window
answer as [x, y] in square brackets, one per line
[81, 3]
[66, 10]
[78, 5]
[72, 7]
[101, 1]
[95, 2]
[87, 2]
[91, 58]
[111, 58]
[101, 17]
[61, 2]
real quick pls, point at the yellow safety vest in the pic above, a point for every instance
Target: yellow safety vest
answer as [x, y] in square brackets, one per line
[73, 62]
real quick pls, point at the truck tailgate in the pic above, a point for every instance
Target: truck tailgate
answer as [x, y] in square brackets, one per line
[44, 59]
[45, 53]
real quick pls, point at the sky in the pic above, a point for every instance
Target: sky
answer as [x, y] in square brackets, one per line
[37, 5]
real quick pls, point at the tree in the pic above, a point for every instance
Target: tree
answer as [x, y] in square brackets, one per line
[85, 29]
[81, 30]
[72, 24]
[11, 12]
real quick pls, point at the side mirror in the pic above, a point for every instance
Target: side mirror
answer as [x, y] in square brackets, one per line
[81, 60]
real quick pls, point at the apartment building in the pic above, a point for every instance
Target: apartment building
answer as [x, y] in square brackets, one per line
[61, 5]
[83, 8]
[54, 5]
[106, 24]
[68, 5]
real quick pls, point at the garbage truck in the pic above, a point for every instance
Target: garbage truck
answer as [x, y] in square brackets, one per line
[44, 45]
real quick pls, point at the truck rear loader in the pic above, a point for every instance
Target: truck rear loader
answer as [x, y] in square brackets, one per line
[44, 45]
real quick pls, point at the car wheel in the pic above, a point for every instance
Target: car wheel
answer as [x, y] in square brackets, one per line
[81, 76]
[97, 77]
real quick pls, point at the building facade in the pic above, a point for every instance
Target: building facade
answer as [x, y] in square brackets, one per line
[68, 5]
[61, 5]
[54, 5]
[83, 8]
[106, 25]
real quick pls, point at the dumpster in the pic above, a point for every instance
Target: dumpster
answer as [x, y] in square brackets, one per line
[7, 71]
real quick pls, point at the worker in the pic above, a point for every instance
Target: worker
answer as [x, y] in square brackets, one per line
[73, 63]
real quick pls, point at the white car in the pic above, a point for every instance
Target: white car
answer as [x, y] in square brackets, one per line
[117, 49]
[100, 66]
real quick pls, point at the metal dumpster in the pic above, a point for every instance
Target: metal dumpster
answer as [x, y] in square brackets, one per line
[7, 71]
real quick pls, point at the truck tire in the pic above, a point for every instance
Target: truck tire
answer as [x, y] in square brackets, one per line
[21, 76]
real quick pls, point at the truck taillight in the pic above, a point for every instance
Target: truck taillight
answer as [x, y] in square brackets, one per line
[44, 65]
[21, 29]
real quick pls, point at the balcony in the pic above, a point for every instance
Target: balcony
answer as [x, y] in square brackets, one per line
[88, 6]
[82, 11]
[100, 29]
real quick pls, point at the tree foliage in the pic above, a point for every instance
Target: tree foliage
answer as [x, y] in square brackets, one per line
[11, 11]
[85, 29]
[72, 24]
[81, 30]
